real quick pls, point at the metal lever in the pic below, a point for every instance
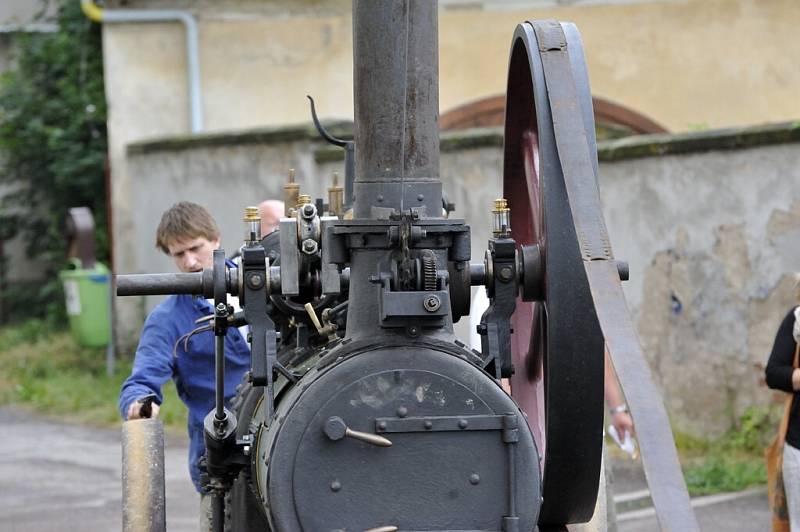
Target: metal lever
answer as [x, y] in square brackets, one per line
[327, 329]
[336, 429]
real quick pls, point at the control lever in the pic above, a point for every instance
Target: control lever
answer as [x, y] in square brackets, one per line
[336, 429]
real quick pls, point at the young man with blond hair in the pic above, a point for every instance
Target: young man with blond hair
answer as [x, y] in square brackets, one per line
[189, 235]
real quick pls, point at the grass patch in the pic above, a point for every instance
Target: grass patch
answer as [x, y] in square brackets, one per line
[44, 369]
[733, 462]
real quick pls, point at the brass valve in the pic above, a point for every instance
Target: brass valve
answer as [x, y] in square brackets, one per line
[335, 197]
[252, 226]
[501, 219]
[291, 191]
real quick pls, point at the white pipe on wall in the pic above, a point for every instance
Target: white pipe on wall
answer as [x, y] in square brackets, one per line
[99, 14]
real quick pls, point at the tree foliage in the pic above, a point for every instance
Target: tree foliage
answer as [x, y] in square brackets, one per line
[53, 135]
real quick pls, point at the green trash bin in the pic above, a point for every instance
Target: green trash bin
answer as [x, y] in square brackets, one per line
[87, 297]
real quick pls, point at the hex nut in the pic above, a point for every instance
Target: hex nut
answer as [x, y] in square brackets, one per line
[506, 273]
[309, 246]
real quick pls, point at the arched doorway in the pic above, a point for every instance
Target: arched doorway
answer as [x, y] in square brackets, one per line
[612, 120]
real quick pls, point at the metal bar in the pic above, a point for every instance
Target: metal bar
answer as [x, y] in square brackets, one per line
[154, 284]
[390, 425]
[219, 369]
[659, 456]
[218, 511]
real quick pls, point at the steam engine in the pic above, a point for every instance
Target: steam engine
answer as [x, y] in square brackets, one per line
[362, 410]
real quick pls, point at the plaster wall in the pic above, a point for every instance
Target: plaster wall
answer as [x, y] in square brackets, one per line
[688, 64]
[711, 239]
[685, 63]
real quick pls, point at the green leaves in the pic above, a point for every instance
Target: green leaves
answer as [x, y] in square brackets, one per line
[53, 135]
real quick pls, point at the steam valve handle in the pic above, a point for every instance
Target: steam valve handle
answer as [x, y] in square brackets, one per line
[336, 429]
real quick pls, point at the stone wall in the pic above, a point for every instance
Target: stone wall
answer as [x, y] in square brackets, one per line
[709, 222]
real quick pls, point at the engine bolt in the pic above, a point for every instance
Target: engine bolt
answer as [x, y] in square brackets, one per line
[462, 423]
[505, 273]
[381, 426]
[432, 303]
[402, 411]
[309, 246]
[336, 486]
[428, 424]
[474, 479]
[255, 281]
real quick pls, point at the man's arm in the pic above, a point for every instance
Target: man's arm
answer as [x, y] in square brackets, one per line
[152, 367]
[620, 417]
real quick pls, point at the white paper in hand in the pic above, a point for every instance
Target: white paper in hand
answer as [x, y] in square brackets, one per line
[628, 444]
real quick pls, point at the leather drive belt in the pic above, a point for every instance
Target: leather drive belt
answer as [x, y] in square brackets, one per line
[659, 456]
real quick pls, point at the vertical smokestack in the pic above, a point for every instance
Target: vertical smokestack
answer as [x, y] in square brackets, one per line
[396, 91]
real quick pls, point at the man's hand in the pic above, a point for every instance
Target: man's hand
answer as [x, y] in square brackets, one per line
[135, 410]
[623, 422]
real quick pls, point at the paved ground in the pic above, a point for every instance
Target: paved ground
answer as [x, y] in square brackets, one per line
[55, 476]
[745, 511]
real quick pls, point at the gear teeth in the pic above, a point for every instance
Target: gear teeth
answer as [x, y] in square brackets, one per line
[429, 272]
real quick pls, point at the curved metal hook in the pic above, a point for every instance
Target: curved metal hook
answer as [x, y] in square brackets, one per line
[327, 136]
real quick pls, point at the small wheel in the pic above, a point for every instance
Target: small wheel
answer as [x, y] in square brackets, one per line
[143, 503]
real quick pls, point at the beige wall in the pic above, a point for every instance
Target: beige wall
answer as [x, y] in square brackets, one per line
[709, 232]
[687, 64]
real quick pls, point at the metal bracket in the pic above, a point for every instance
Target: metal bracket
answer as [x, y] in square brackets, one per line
[439, 424]
[495, 326]
[263, 346]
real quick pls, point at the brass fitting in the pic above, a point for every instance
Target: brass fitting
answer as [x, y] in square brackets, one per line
[252, 226]
[336, 197]
[302, 199]
[291, 190]
[501, 219]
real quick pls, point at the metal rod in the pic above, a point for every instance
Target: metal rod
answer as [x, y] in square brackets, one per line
[218, 511]
[160, 284]
[219, 366]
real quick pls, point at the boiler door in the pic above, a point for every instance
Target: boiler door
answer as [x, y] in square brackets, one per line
[452, 452]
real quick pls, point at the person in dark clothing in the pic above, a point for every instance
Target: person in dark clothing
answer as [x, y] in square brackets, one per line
[781, 375]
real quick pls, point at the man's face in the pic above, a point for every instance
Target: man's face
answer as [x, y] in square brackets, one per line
[193, 254]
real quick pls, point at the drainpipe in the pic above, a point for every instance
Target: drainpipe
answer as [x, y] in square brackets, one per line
[98, 14]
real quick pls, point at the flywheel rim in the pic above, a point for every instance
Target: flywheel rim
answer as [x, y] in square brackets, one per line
[565, 407]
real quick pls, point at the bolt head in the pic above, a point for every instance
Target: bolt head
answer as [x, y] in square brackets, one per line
[506, 273]
[432, 303]
[255, 281]
[309, 246]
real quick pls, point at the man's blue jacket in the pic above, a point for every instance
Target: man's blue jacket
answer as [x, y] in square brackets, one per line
[191, 368]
